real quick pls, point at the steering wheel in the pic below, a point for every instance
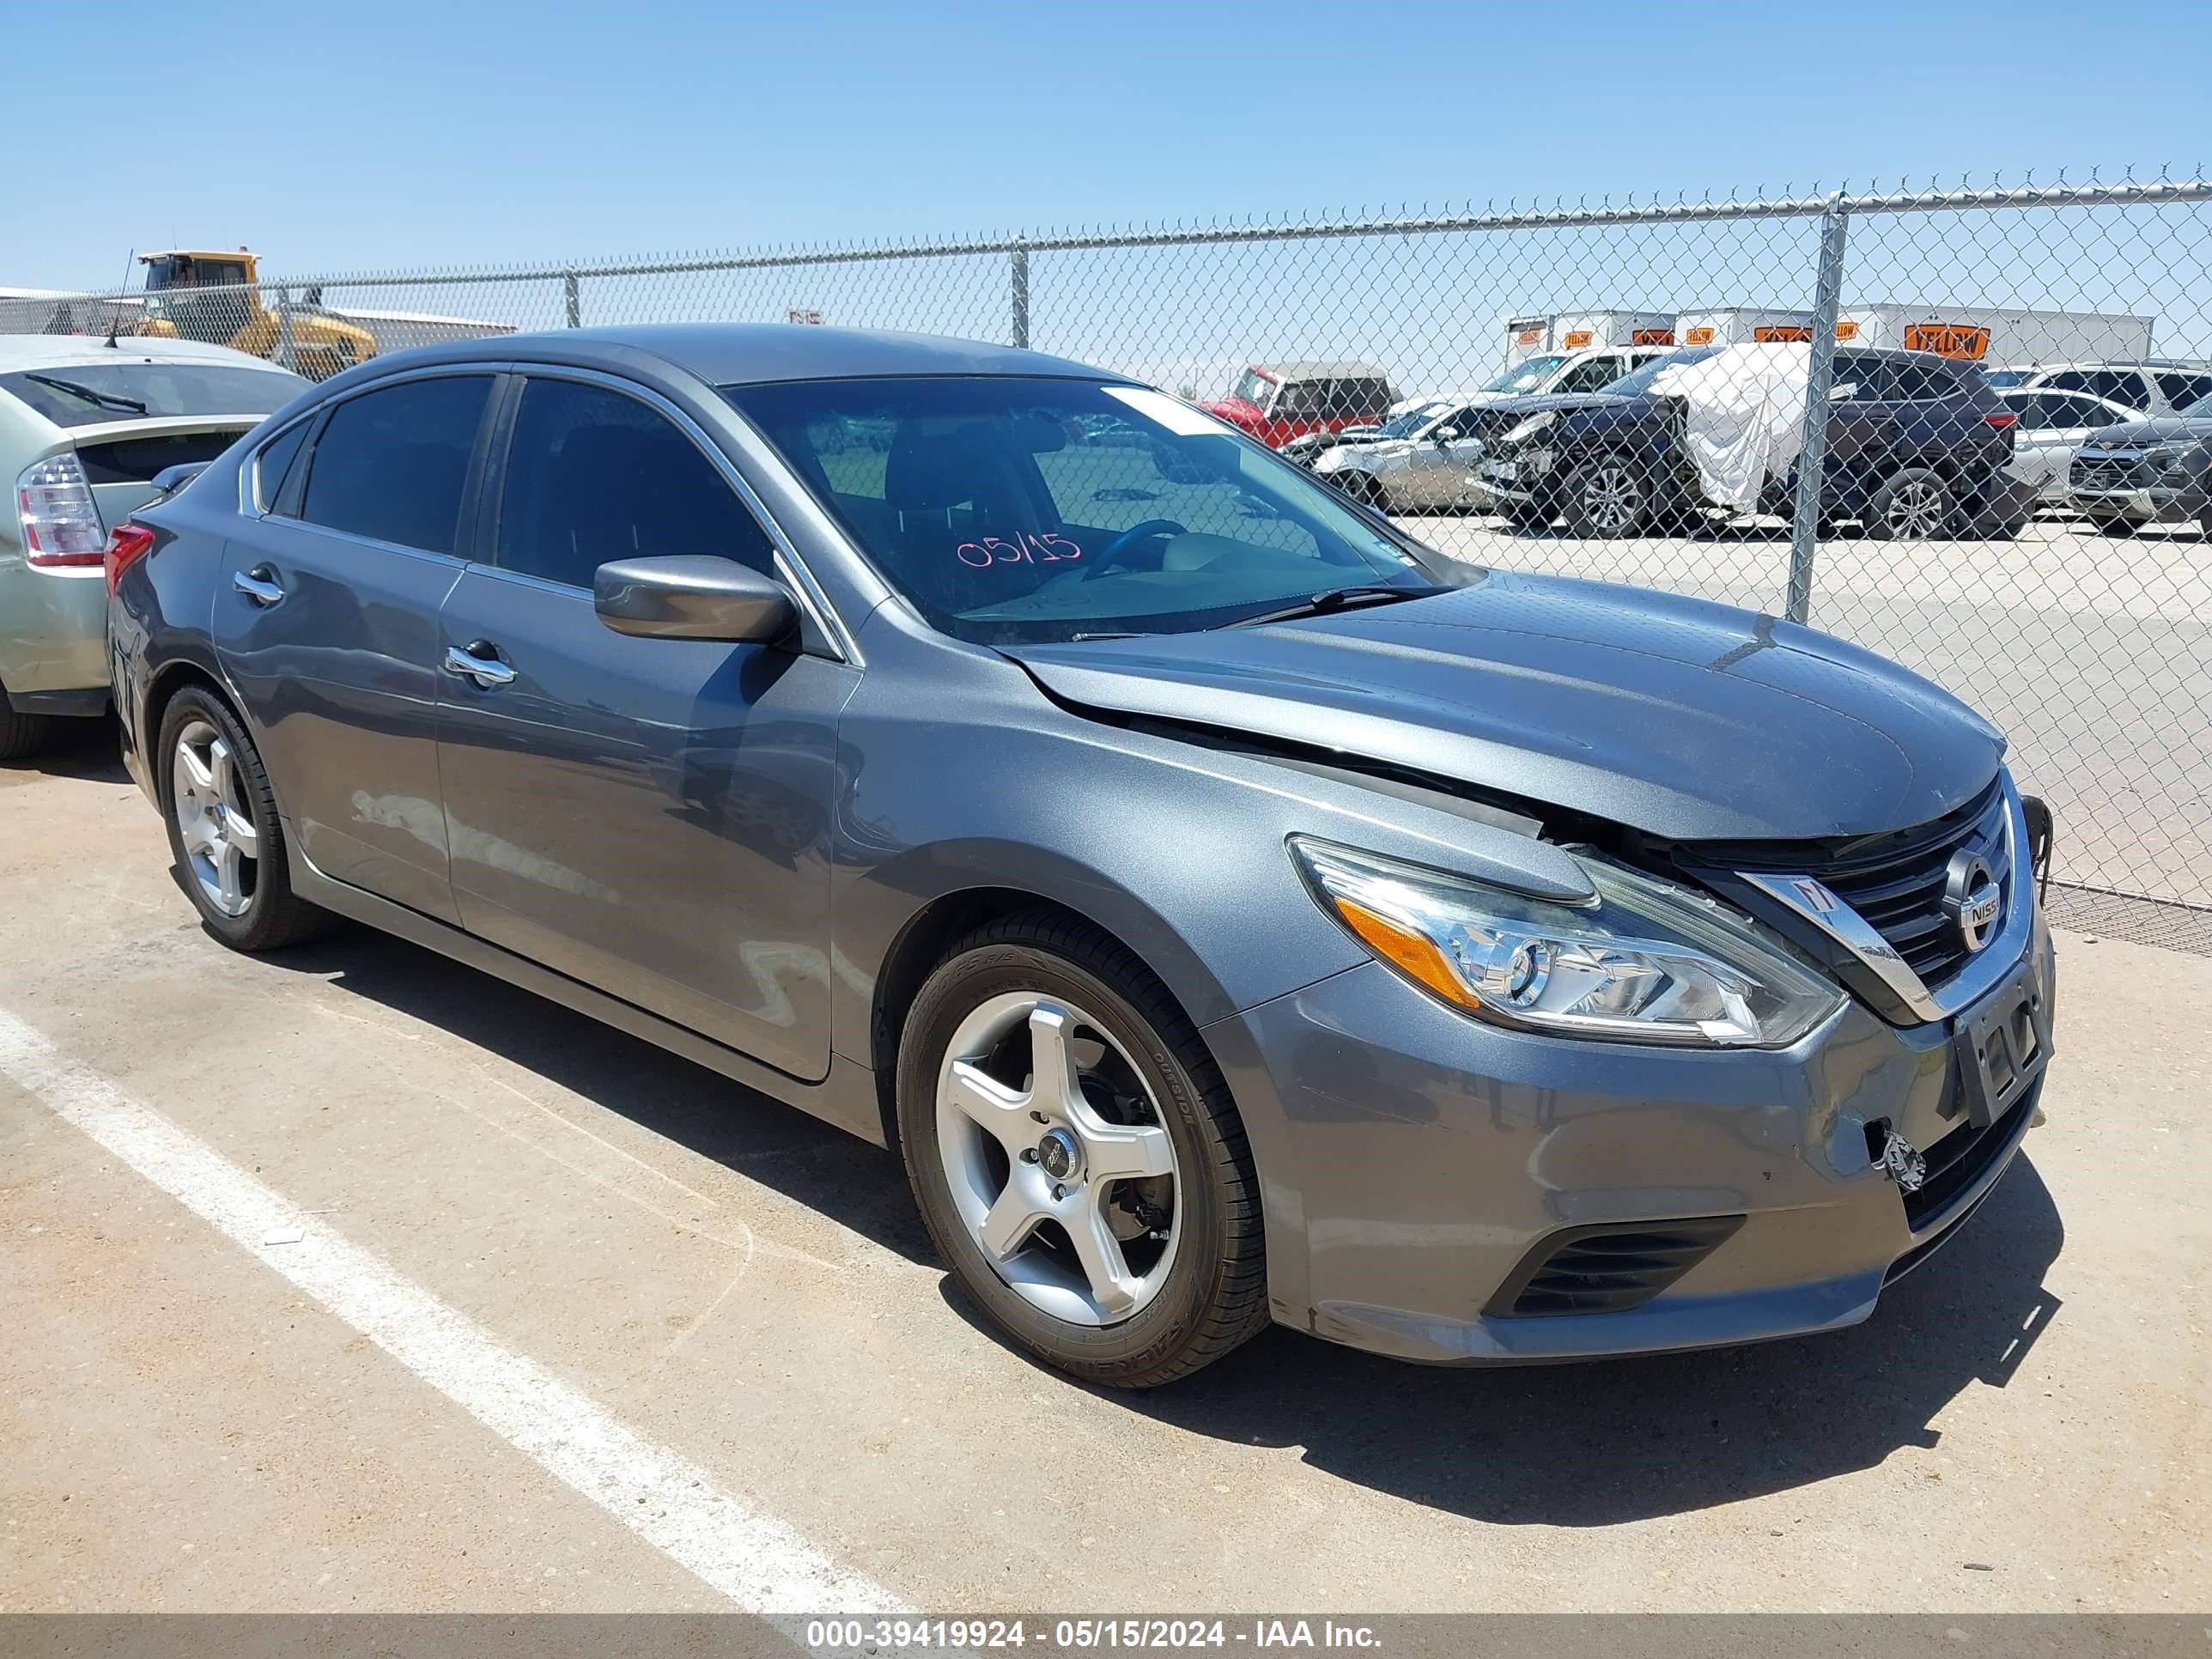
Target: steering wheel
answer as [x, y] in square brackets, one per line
[1111, 553]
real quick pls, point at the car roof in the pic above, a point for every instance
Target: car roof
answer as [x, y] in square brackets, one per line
[22, 351]
[1317, 368]
[737, 354]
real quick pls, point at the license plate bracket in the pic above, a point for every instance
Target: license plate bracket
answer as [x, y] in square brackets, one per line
[2002, 1046]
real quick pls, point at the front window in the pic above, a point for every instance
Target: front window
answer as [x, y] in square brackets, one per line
[1017, 511]
[1254, 388]
[87, 394]
[2006, 377]
[1525, 376]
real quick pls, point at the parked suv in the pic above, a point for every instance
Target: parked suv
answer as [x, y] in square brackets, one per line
[1229, 910]
[1288, 400]
[84, 428]
[1918, 447]
[2158, 387]
[1430, 466]
[2154, 471]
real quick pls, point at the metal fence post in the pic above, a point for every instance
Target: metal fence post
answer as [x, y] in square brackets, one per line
[284, 352]
[571, 292]
[1812, 446]
[1017, 265]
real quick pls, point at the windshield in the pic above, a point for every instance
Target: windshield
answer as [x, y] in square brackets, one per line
[1405, 425]
[1018, 511]
[1254, 387]
[1636, 384]
[1525, 376]
[86, 394]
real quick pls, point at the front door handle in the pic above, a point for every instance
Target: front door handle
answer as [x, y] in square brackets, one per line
[259, 585]
[478, 661]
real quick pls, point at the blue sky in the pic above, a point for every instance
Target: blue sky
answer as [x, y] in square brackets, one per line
[404, 134]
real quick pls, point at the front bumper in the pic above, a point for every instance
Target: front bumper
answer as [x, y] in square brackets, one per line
[1413, 1160]
[2155, 505]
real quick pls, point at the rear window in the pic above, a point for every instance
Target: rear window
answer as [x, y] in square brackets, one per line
[136, 460]
[88, 394]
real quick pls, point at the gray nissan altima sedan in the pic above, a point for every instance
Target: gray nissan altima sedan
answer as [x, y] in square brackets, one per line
[1230, 910]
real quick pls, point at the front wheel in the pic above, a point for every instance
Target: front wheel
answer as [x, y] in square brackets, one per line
[223, 829]
[1077, 1157]
[1608, 497]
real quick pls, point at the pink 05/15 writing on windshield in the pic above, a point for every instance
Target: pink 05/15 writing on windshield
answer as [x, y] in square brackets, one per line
[1023, 549]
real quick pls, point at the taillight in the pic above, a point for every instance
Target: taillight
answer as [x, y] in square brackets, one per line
[2001, 421]
[61, 526]
[130, 543]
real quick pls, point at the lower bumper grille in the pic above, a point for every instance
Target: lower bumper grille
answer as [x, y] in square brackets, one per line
[1609, 1268]
[1962, 1157]
[2118, 474]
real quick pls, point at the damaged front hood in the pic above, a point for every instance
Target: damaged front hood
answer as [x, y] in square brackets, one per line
[1685, 720]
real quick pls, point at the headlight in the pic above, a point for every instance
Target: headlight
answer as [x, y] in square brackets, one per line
[1530, 428]
[1644, 962]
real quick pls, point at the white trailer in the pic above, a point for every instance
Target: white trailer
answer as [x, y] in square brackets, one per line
[1996, 336]
[1579, 330]
[395, 330]
[1741, 325]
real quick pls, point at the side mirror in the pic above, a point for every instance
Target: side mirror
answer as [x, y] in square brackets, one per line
[693, 597]
[1444, 435]
[1842, 392]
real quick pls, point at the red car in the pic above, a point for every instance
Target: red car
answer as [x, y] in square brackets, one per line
[1276, 405]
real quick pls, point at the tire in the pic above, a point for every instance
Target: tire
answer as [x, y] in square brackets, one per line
[1363, 489]
[1192, 1278]
[2114, 524]
[203, 812]
[1608, 497]
[22, 735]
[1913, 504]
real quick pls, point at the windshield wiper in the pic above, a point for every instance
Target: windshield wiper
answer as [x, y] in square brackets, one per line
[1078, 638]
[1333, 598]
[105, 399]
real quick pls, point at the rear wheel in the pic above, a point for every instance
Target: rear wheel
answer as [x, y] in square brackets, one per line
[22, 734]
[223, 829]
[1913, 504]
[1610, 497]
[1076, 1156]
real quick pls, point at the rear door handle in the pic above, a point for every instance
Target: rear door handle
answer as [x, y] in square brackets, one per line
[478, 661]
[259, 585]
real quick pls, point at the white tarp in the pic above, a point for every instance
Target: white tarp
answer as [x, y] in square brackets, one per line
[1743, 414]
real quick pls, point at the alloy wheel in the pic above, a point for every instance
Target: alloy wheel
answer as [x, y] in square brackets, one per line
[1917, 510]
[1613, 498]
[221, 847]
[1058, 1159]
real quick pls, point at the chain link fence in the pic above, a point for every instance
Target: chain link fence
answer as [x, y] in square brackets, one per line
[1914, 418]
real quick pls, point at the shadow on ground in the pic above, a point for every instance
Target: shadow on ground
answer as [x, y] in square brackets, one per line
[89, 749]
[860, 1186]
[1557, 1446]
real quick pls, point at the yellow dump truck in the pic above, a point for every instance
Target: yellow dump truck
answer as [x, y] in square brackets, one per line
[196, 294]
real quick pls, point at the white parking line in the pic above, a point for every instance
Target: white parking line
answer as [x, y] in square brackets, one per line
[753, 1558]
